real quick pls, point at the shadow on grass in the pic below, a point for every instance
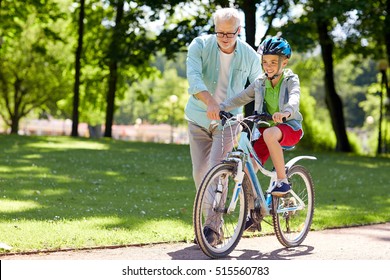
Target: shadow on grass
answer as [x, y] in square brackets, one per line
[127, 185]
[55, 178]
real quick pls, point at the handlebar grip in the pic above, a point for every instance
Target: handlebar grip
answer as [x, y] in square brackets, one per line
[224, 116]
[266, 116]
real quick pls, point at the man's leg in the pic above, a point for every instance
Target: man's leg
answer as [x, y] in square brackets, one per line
[200, 144]
[223, 141]
[200, 141]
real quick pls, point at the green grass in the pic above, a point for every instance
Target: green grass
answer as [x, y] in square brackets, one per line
[62, 192]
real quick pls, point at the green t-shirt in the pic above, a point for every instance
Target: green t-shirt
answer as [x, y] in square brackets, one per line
[271, 97]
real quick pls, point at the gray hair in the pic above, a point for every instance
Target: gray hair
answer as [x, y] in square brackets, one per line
[227, 14]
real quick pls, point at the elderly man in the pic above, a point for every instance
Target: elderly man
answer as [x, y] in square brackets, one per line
[218, 67]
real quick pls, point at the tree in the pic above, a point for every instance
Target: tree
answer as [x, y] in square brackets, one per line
[315, 26]
[332, 99]
[132, 44]
[373, 23]
[76, 89]
[32, 60]
[92, 82]
[271, 11]
[113, 58]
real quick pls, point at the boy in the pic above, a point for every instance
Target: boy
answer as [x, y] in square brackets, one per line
[276, 92]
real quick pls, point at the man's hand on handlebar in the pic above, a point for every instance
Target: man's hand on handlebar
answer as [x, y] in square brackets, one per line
[224, 116]
[213, 111]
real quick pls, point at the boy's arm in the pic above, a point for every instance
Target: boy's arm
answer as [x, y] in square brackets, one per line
[294, 96]
[241, 99]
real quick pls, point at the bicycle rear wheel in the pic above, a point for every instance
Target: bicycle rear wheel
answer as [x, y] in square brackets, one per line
[211, 212]
[293, 214]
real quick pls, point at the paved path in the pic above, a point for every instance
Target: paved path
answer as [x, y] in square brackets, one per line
[356, 243]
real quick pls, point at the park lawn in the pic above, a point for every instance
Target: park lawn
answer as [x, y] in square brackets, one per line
[63, 192]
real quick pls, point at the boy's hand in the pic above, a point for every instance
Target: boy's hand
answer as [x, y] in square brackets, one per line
[279, 117]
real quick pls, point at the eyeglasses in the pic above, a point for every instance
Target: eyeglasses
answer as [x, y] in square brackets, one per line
[228, 35]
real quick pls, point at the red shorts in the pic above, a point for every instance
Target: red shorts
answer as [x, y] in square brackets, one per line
[290, 137]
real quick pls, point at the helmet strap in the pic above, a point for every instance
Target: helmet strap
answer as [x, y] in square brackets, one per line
[279, 67]
[273, 77]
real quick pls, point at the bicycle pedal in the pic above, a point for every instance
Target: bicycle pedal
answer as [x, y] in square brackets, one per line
[254, 227]
[257, 228]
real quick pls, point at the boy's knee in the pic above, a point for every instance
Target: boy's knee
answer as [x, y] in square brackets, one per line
[272, 134]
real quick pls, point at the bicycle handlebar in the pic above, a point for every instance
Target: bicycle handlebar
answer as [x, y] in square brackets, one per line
[224, 116]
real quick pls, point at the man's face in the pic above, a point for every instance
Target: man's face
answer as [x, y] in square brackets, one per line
[227, 33]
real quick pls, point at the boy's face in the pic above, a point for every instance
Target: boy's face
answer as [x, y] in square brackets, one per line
[270, 64]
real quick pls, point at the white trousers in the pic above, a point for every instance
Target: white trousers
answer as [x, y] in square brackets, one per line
[208, 147]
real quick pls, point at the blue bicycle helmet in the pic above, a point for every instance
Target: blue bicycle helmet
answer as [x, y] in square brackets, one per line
[275, 45]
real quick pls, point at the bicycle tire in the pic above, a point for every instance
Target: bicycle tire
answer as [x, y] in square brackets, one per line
[231, 224]
[292, 224]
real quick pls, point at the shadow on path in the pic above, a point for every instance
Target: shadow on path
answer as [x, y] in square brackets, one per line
[195, 253]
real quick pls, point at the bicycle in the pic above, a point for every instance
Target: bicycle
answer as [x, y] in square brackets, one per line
[230, 192]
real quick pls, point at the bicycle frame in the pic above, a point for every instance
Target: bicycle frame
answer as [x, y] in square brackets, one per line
[230, 199]
[241, 158]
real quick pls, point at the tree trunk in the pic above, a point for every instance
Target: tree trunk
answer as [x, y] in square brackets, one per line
[111, 98]
[386, 29]
[14, 113]
[14, 124]
[76, 90]
[387, 40]
[249, 9]
[332, 99]
[113, 65]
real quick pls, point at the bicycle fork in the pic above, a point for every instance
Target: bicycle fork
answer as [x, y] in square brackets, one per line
[238, 178]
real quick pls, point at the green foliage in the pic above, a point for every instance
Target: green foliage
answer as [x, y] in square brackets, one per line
[352, 83]
[187, 20]
[355, 142]
[318, 133]
[34, 70]
[357, 83]
[151, 100]
[38, 41]
[369, 30]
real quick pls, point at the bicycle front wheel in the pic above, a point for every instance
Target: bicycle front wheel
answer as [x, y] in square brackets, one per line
[212, 201]
[293, 213]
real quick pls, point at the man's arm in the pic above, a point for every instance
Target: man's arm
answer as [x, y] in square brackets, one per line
[212, 105]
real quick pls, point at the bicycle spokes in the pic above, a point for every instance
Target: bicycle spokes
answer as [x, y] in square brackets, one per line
[293, 212]
[215, 194]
